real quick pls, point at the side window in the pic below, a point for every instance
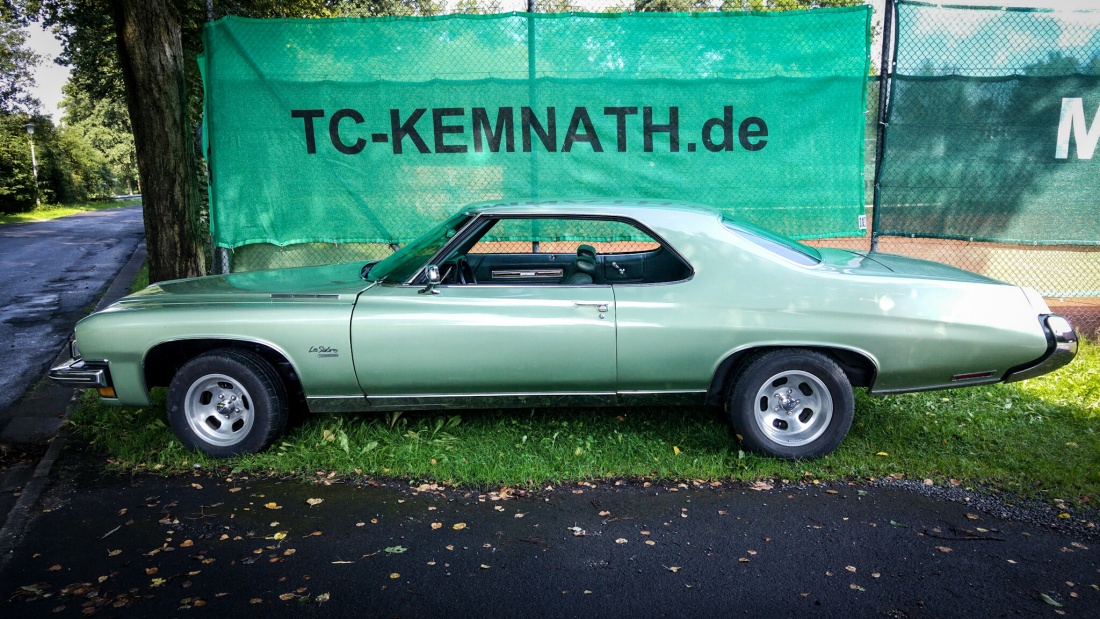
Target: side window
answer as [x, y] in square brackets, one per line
[570, 251]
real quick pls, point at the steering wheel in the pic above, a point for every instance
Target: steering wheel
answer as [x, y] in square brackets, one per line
[465, 273]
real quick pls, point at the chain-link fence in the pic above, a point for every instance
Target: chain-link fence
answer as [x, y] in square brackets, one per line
[984, 165]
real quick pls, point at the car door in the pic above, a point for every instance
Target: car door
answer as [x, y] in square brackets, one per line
[484, 340]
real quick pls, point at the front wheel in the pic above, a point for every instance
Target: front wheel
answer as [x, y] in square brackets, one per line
[791, 404]
[227, 402]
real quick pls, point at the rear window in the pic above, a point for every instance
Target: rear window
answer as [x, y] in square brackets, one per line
[777, 244]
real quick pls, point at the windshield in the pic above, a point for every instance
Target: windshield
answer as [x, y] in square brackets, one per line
[403, 263]
[775, 243]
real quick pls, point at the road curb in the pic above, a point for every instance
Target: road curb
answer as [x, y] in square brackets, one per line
[17, 519]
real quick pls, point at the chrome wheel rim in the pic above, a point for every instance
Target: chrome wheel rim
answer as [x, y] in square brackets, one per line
[793, 408]
[219, 410]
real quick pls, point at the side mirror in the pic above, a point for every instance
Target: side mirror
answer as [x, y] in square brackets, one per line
[432, 273]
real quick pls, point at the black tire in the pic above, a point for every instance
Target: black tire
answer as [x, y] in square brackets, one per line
[792, 404]
[254, 410]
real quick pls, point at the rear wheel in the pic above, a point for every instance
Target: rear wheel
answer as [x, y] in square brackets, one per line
[227, 402]
[791, 404]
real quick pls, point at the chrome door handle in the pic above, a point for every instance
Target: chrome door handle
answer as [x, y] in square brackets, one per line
[599, 305]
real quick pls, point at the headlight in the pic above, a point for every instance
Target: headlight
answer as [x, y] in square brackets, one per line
[74, 350]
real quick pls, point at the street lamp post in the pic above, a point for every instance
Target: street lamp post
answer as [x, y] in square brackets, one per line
[34, 163]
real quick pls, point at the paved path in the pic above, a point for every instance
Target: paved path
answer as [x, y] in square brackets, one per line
[53, 272]
[152, 547]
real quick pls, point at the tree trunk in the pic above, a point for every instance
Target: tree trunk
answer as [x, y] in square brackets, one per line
[151, 54]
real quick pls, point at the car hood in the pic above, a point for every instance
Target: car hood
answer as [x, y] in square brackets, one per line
[334, 282]
[867, 263]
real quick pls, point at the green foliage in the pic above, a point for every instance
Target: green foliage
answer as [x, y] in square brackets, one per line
[16, 175]
[16, 63]
[1038, 438]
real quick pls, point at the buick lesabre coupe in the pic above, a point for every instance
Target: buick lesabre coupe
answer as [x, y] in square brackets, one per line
[578, 303]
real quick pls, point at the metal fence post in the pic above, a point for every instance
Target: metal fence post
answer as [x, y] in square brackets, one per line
[886, 70]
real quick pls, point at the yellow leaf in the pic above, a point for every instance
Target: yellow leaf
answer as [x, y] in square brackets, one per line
[255, 601]
[279, 535]
[157, 582]
[395, 575]
[676, 450]
[273, 505]
[882, 453]
[313, 502]
[484, 567]
[321, 599]
[1063, 516]
[458, 526]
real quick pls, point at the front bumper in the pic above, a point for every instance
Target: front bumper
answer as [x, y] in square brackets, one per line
[80, 373]
[1061, 349]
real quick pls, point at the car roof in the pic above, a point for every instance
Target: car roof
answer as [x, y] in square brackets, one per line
[586, 206]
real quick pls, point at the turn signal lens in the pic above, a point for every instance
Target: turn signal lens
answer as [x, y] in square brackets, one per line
[106, 392]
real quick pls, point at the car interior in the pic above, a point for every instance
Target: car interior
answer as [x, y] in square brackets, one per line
[576, 252]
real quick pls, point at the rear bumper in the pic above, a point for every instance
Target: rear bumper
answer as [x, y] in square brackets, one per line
[1061, 349]
[80, 373]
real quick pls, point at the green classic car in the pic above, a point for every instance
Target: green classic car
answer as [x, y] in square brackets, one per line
[568, 302]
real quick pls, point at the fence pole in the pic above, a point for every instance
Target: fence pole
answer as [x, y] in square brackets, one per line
[886, 70]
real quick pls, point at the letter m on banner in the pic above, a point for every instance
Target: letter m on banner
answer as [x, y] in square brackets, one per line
[1072, 122]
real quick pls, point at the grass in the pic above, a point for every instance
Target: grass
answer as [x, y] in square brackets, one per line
[53, 211]
[1038, 439]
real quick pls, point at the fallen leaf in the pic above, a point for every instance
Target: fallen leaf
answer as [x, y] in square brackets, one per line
[437, 525]
[674, 569]
[255, 601]
[882, 453]
[621, 540]
[396, 550]
[484, 567]
[395, 575]
[605, 513]
[322, 598]
[851, 568]
[157, 582]
[943, 549]
[972, 517]
[1049, 600]
[458, 526]
[742, 560]
[186, 543]
[288, 552]
[122, 512]
[235, 490]
[313, 502]
[316, 533]
[273, 505]
[54, 568]
[197, 486]
[114, 553]
[831, 491]
[856, 587]
[278, 536]
[149, 571]
[760, 485]
[676, 450]
[287, 596]
[518, 515]
[650, 542]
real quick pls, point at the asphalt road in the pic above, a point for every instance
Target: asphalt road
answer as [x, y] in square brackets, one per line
[53, 272]
[144, 546]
